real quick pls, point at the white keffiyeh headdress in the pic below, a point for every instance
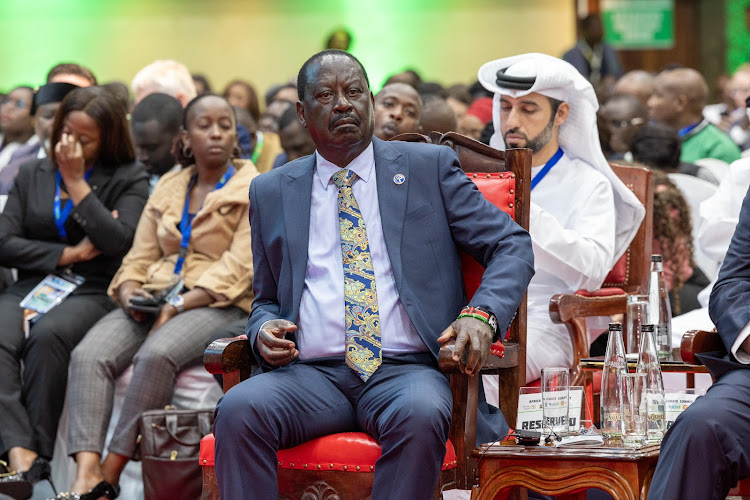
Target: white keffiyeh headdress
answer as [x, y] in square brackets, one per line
[578, 137]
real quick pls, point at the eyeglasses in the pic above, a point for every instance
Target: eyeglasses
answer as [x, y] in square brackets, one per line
[624, 123]
[17, 103]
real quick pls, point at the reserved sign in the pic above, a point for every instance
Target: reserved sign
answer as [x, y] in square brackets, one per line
[677, 402]
[530, 412]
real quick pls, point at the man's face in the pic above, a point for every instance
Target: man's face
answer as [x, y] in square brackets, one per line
[397, 111]
[470, 126]
[663, 104]
[153, 146]
[44, 118]
[296, 141]
[624, 121]
[15, 111]
[338, 106]
[527, 121]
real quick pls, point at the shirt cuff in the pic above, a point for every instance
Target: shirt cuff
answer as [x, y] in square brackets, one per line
[741, 355]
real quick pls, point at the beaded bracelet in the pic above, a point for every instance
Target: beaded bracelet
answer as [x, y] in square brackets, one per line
[481, 314]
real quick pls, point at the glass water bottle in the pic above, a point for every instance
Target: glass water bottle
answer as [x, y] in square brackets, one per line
[659, 310]
[611, 398]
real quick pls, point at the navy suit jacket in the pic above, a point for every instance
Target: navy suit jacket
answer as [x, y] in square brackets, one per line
[426, 220]
[729, 306]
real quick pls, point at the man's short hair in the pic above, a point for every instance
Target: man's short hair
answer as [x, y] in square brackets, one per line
[71, 69]
[304, 72]
[657, 146]
[555, 105]
[163, 108]
[167, 77]
[288, 117]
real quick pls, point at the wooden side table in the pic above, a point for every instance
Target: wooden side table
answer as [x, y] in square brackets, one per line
[565, 472]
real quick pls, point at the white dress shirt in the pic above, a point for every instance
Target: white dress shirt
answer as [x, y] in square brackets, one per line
[321, 331]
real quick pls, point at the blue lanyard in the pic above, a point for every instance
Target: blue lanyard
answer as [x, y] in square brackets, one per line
[551, 163]
[685, 131]
[186, 223]
[62, 213]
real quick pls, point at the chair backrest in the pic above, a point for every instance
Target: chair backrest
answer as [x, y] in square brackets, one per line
[631, 272]
[511, 171]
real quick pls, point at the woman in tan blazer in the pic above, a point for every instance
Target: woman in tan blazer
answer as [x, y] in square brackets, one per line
[201, 214]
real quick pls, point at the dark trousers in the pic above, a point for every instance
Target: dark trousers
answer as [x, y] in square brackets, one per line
[405, 407]
[31, 399]
[707, 450]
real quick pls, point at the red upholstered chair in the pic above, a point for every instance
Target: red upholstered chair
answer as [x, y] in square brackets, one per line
[629, 275]
[342, 464]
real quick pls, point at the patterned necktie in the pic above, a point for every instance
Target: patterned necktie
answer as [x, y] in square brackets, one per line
[363, 353]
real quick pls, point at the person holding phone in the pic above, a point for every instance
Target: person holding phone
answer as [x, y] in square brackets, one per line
[193, 238]
[74, 213]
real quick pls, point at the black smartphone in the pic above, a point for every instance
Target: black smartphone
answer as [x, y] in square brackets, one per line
[149, 305]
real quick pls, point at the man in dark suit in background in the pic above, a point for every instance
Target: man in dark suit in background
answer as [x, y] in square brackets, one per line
[707, 450]
[357, 271]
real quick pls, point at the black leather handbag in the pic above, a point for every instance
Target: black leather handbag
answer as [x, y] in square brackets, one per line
[169, 448]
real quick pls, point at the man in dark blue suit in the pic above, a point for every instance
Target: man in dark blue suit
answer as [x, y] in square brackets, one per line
[332, 364]
[707, 450]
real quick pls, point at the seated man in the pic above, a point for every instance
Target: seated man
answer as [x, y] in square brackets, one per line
[398, 110]
[582, 216]
[357, 271]
[155, 124]
[706, 451]
[295, 139]
[678, 101]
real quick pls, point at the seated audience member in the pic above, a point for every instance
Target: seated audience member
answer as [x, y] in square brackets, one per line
[678, 100]
[166, 77]
[582, 216]
[17, 138]
[720, 111]
[259, 146]
[46, 103]
[624, 115]
[73, 214]
[72, 73]
[736, 122]
[476, 118]
[673, 240]
[202, 85]
[241, 93]
[202, 209]
[659, 147]
[437, 115]
[295, 139]
[459, 99]
[704, 453]
[269, 119]
[637, 83]
[388, 384]
[156, 123]
[398, 110]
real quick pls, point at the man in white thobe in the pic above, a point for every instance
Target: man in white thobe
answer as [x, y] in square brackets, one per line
[582, 216]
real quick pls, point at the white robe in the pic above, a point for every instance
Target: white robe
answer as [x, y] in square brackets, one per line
[572, 227]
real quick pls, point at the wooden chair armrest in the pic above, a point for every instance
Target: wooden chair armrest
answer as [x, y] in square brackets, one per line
[564, 308]
[230, 358]
[509, 358]
[698, 341]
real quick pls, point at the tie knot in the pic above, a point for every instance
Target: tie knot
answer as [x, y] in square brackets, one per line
[344, 178]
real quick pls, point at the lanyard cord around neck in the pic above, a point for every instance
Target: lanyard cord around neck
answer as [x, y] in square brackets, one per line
[551, 163]
[62, 213]
[186, 223]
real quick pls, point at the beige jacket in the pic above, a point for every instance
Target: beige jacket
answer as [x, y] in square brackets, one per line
[219, 257]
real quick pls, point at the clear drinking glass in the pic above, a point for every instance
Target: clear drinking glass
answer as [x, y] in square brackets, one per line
[636, 315]
[555, 400]
[634, 409]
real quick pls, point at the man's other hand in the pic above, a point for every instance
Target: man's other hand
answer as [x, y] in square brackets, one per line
[275, 349]
[472, 334]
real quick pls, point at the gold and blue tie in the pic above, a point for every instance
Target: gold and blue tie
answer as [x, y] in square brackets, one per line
[363, 350]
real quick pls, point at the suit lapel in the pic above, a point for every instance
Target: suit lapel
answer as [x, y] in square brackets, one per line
[391, 199]
[296, 191]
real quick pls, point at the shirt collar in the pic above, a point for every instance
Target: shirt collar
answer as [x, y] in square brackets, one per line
[362, 165]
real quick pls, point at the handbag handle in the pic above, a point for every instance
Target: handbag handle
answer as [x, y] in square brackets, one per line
[204, 427]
